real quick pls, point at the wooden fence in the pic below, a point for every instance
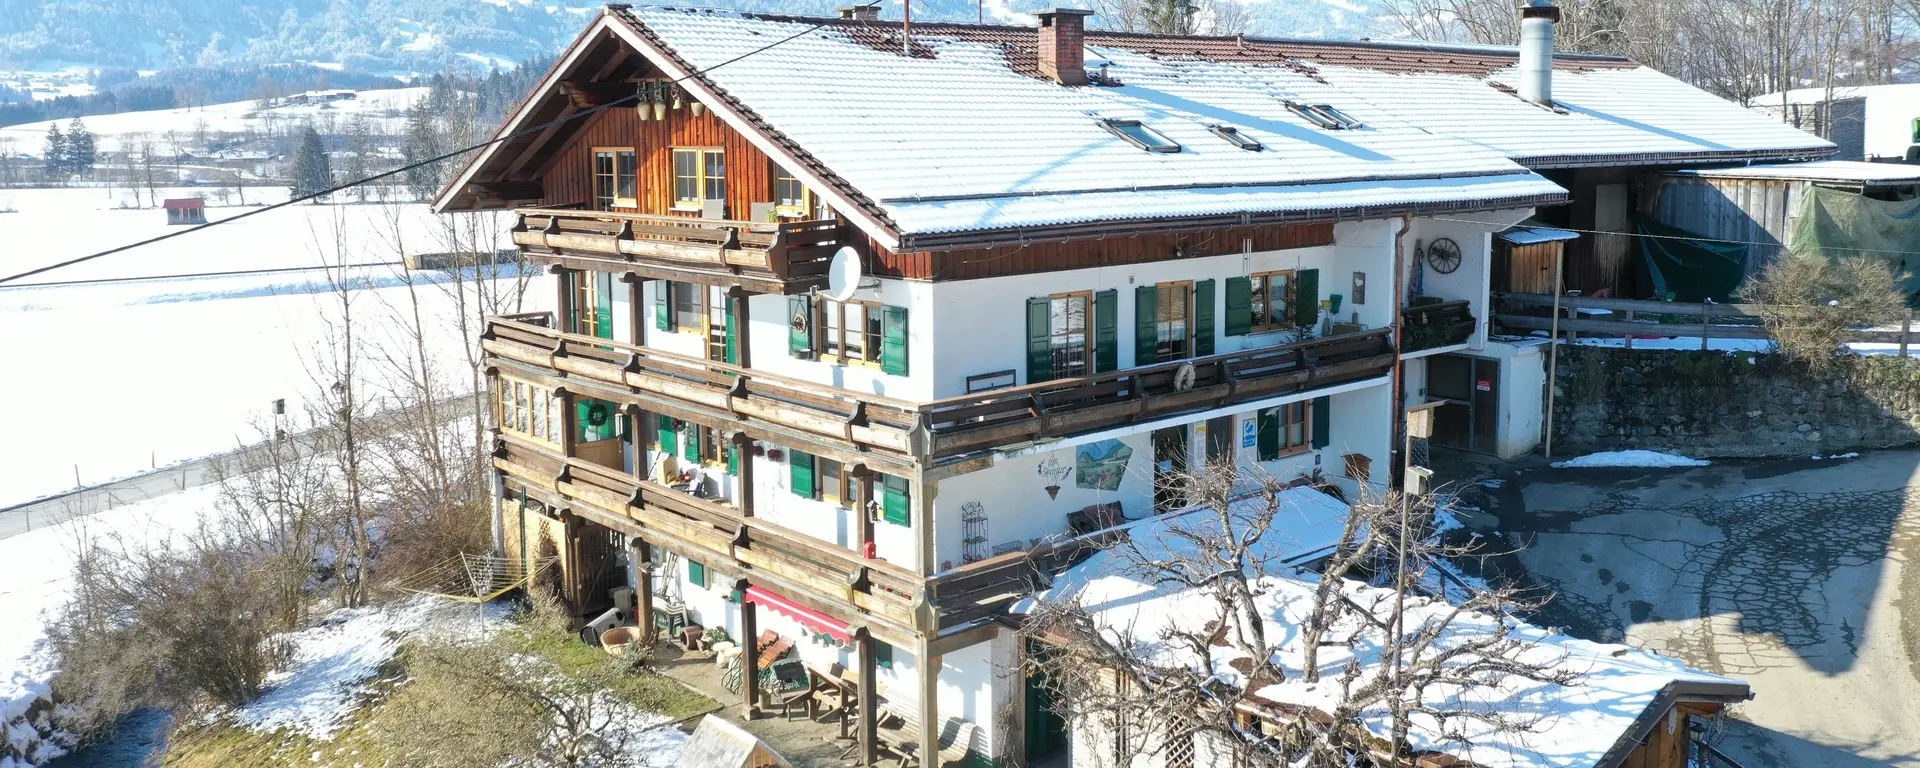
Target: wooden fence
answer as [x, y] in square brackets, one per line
[1637, 318]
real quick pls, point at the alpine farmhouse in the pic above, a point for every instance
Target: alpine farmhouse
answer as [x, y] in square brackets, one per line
[864, 334]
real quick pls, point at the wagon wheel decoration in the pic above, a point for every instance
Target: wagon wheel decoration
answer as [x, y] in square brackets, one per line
[1444, 255]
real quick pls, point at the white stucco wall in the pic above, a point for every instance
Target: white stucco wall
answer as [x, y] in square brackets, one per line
[1523, 380]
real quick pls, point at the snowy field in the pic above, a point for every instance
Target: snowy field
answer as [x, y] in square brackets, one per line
[111, 379]
[385, 110]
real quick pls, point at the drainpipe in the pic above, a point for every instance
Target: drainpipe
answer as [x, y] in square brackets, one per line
[1399, 366]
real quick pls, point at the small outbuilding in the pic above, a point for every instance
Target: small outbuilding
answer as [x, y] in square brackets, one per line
[720, 744]
[186, 210]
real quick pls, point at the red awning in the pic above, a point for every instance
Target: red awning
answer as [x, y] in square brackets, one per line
[812, 619]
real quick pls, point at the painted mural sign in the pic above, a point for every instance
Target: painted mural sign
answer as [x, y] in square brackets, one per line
[1102, 465]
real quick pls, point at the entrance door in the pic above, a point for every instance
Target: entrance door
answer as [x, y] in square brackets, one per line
[1470, 387]
[720, 322]
[1169, 468]
[1046, 729]
[598, 427]
[592, 304]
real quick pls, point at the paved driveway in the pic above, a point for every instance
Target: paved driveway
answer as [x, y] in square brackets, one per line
[1791, 575]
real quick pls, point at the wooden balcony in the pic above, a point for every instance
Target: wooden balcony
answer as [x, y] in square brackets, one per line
[1439, 324]
[895, 436]
[765, 257]
[822, 576]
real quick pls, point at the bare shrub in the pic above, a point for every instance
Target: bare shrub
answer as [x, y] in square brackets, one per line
[503, 701]
[1809, 305]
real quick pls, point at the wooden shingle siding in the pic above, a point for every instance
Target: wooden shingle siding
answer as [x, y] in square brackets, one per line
[1000, 261]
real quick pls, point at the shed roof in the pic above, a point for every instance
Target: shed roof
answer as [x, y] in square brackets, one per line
[1824, 171]
[178, 203]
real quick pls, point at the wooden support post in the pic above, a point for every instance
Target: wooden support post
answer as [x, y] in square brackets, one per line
[742, 325]
[1906, 330]
[1629, 336]
[920, 506]
[563, 306]
[569, 424]
[643, 605]
[1706, 328]
[750, 656]
[868, 733]
[862, 509]
[637, 309]
[928, 666]
[743, 448]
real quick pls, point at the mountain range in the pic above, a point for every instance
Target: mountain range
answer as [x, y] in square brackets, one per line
[401, 36]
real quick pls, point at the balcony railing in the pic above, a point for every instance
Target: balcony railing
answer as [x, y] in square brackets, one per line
[900, 432]
[776, 257]
[1439, 324]
[796, 564]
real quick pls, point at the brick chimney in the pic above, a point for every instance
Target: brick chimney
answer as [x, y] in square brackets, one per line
[1063, 45]
[861, 13]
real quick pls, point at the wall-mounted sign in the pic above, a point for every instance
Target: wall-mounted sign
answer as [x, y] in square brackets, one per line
[1249, 434]
[1484, 385]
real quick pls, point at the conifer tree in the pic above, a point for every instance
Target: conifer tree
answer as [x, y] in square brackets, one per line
[311, 173]
[79, 155]
[55, 156]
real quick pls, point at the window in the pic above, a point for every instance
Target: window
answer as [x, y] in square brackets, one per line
[1067, 316]
[615, 179]
[699, 175]
[815, 477]
[850, 331]
[1173, 328]
[1323, 115]
[792, 198]
[703, 445]
[696, 573]
[1140, 135]
[687, 312]
[1272, 300]
[1283, 430]
[1238, 139]
[530, 411]
[833, 482]
[895, 499]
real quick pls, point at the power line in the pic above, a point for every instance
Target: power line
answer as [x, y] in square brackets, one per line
[1692, 239]
[182, 276]
[411, 166]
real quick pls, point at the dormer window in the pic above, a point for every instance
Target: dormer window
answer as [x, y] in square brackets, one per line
[1235, 137]
[1140, 135]
[1323, 115]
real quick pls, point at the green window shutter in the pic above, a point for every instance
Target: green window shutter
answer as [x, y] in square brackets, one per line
[1146, 329]
[1269, 433]
[1203, 318]
[663, 305]
[800, 326]
[603, 304]
[733, 329]
[882, 655]
[733, 460]
[1306, 297]
[894, 501]
[893, 341]
[1039, 341]
[1239, 306]
[669, 437]
[800, 465]
[1106, 338]
[697, 573]
[692, 445]
[1322, 424]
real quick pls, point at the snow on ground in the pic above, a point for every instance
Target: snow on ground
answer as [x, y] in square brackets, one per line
[36, 571]
[1729, 345]
[1634, 458]
[115, 378]
[385, 109]
[333, 660]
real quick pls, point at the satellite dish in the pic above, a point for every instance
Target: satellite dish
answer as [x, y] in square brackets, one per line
[843, 276]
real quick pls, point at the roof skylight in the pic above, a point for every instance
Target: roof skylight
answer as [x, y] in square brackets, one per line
[1323, 115]
[1140, 135]
[1237, 138]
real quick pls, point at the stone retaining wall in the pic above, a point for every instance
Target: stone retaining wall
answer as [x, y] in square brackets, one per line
[1730, 404]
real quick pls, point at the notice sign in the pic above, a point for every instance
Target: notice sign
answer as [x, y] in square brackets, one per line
[1249, 434]
[1484, 385]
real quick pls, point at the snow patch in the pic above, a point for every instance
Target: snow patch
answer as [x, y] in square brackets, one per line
[1847, 455]
[1634, 458]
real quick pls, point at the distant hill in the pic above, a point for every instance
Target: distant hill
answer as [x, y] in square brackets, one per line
[393, 36]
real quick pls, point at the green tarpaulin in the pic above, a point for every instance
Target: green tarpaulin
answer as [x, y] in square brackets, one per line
[1678, 265]
[1834, 223]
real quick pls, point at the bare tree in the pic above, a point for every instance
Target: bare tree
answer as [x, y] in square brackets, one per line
[1159, 685]
[1174, 17]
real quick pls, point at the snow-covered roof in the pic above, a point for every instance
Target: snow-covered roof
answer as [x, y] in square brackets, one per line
[1531, 232]
[1590, 722]
[1832, 171]
[1907, 92]
[956, 138]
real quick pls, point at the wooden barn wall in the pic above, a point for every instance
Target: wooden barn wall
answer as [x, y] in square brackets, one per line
[1748, 210]
[1525, 268]
[1666, 746]
[1597, 262]
[568, 177]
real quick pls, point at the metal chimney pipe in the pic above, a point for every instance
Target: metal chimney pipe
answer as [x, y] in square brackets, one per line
[1537, 20]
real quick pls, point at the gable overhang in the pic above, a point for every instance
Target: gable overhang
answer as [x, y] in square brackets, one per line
[611, 24]
[1673, 159]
